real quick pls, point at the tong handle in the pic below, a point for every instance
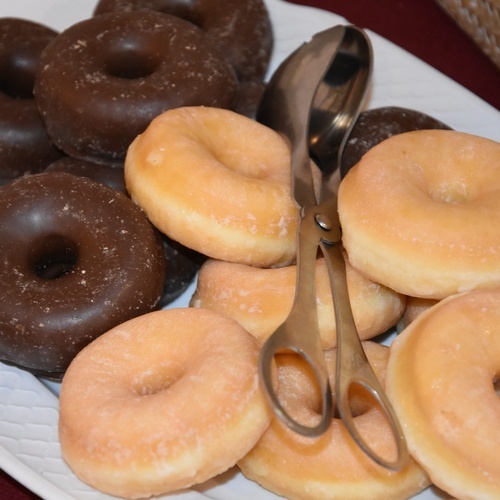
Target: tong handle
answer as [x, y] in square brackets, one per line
[300, 333]
[353, 366]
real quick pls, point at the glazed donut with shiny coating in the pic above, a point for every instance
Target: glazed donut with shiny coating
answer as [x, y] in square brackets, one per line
[105, 78]
[77, 259]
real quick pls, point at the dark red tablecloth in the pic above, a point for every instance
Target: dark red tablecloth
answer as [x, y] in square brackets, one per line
[422, 28]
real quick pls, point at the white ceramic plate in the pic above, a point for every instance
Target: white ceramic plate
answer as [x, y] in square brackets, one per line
[29, 447]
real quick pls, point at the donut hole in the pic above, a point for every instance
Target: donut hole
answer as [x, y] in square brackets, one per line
[361, 401]
[149, 383]
[53, 257]
[132, 58]
[17, 76]
[298, 388]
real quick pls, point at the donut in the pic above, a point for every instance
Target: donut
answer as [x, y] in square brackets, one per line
[441, 380]
[242, 30]
[127, 68]
[25, 146]
[375, 125]
[153, 405]
[77, 259]
[217, 182]
[331, 466]
[420, 213]
[261, 299]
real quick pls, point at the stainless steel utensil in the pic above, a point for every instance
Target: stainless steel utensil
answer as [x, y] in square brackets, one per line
[313, 100]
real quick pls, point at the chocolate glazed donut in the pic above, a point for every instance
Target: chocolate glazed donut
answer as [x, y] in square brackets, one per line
[241, 28]
[25, 146]
[78, 258]
[104, 79]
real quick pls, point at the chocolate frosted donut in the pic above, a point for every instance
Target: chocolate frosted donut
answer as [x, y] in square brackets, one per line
[78, 258]
[242, 29]
[375, 125]
[104, 79]
[25, 146]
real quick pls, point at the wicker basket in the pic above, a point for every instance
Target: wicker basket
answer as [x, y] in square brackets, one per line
[480, 19]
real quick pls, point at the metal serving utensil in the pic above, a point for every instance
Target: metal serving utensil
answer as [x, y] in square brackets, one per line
[313, 100]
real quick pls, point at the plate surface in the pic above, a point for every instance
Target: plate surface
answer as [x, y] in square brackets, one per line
[29, 446]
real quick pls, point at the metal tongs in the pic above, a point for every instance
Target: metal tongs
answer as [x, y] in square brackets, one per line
[313, 100]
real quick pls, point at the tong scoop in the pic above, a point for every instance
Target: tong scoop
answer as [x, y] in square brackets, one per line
[313, 100]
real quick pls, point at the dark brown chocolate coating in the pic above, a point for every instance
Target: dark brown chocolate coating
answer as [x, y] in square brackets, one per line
[375, 125]
[78, 258]
[241, 28]
[110, 174]
[104, 79]
[25, 146]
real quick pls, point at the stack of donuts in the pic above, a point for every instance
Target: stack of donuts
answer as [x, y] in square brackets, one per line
[240, 215]
[70, 105]
[155, 401]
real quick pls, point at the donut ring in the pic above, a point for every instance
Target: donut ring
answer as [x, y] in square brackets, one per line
[261, 299]
[25, 146]
[441, 380]
[420, 213]
[78, 258]
[331, 466]
[153, 405]
[200, 178]
[128, 68]
[242, 30]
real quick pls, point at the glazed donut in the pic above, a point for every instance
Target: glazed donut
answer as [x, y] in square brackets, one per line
[441, 380]
[331, 466]
[242, 30]
[420, 213]
[77, 259]
[375, 125]
[127, 67]
[260, 299]
[25, 146]
[153, 406]
[217, 182]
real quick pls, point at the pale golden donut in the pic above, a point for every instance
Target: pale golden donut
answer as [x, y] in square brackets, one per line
[331, 466]
[154, 406]
[441, 380]
[420, 213]
[217, 182]
[260, 299]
